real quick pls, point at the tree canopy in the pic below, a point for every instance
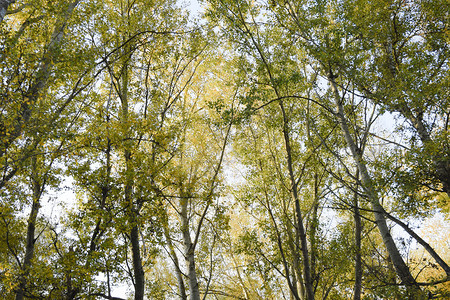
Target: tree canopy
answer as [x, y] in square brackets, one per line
[250, 150]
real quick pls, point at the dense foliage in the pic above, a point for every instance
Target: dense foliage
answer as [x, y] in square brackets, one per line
[252, 150]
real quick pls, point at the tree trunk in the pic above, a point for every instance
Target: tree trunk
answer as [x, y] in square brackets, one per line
[424, 244]
[294, 194]
[179, 274]
[401, 268]
[291, 281]
[441, 166]
[314, 225]
[139, 280]
[358, 261]
[293, 243]
[132, 209]
[30, 241]
[4, 8]
[188, 249]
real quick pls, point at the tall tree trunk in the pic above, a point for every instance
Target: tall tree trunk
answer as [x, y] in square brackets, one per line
[189, 251]
[30, 241]
[296, 285]
[294, 186]
[424, 244]
[139, 279]
[441, 166]
[132, 209]
[294, 194]
[179, 274]
[314, 225]
[401, 268]
[293, 296]
[291, 281]
[189, 245]
[298, 276]
[358, 261]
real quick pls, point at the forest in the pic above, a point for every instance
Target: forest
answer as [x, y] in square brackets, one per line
[225, 149]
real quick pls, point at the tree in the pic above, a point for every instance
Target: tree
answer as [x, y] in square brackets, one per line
[37, 112]
[235, 157]
[328, 48]
[4, 4]
[142, 91]
[190, 184]
[408, 75]
[34, 64]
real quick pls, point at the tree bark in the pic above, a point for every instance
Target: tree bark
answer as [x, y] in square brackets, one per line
[294, 194]
[4, 8]
[441, 166]
[314, 226]
[132, 209]
[139, 279]
[401, 268]
[189, 251]
[179, 274]
[358, 261]
[424, 244]
[30, 241]
[293, 243]
[291, 281]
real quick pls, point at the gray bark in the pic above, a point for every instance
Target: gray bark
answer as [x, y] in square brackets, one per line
[422, 242]
[139, 281]
[132, 209]
[179, 274]
[189, 249]
[291, 281]
[139, 278]
[294, 194]
[31, 227]
[441, 166]
[401, 268]
[358, 261]
[4, 8]
[314, 226]
[189, 245]
[294, 186]
[297, 274]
